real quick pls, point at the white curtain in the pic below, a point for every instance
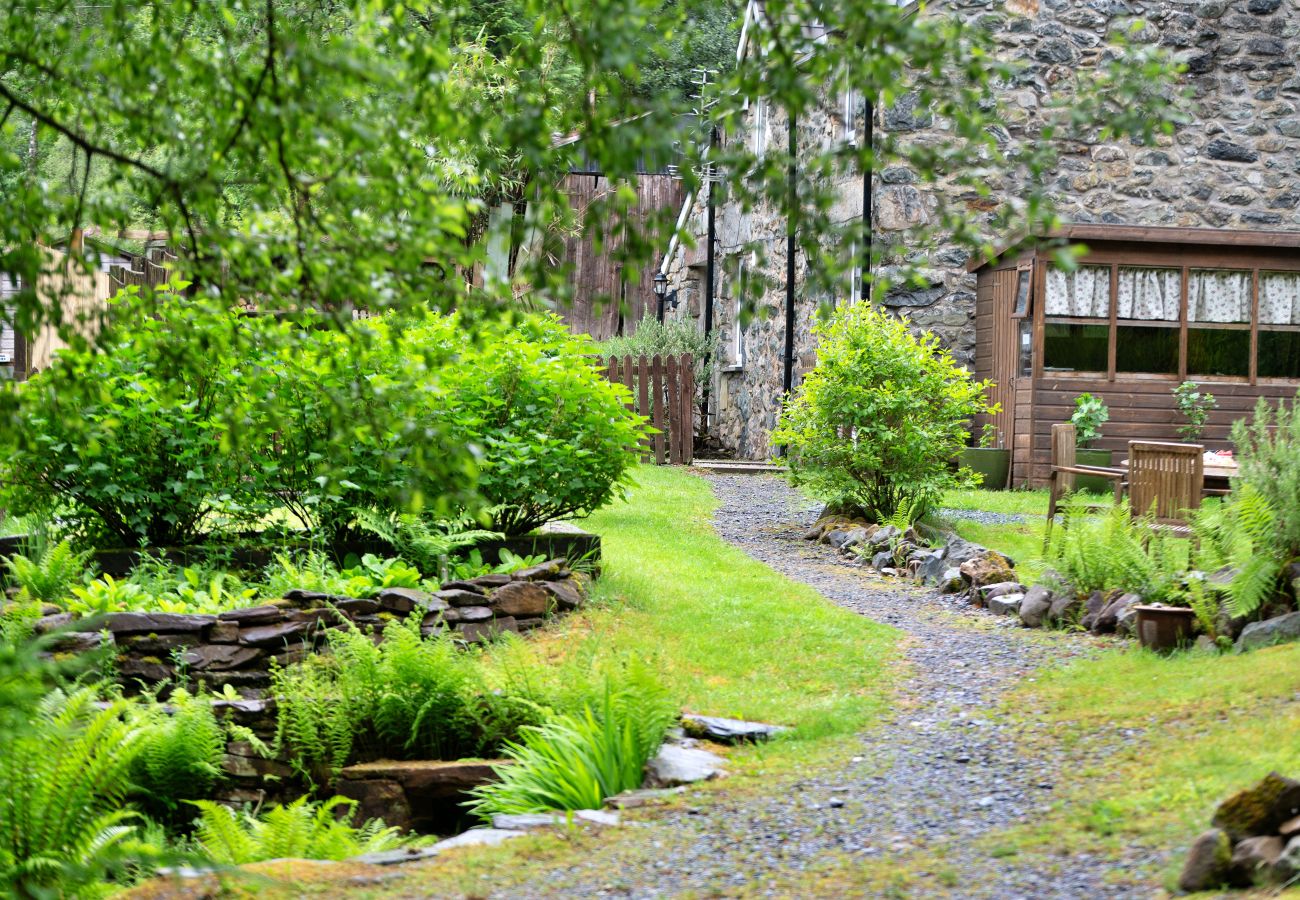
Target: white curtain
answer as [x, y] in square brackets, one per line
[1083, 293]
[1279, 298]
[1149, 295]
[1218, 296]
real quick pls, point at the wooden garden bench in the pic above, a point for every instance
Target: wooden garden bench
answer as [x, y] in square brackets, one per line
[1064, 469]
[1166, 482]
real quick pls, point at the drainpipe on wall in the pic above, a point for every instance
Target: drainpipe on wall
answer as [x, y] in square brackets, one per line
[708, 274]
[790, 230]
[868, 137]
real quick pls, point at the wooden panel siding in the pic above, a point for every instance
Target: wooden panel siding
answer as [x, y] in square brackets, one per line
[597, 277]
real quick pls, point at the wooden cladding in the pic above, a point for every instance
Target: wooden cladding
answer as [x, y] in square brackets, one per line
[663, 390]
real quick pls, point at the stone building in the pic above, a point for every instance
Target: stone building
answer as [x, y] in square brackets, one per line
[1234, 165]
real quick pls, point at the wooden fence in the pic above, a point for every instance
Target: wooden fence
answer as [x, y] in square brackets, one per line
[663, 390]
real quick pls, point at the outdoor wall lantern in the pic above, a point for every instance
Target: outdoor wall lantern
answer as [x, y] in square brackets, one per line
[661, 291]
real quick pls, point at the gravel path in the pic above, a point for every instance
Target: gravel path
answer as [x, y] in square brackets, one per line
[937, 775]
[984, 517]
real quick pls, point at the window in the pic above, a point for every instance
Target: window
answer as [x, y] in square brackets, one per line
[1026, 339]
[1279, 325]
[1147, 304]
[1075, 348]
[1075, 344]
[736, 337]
[758, 127]
[1083, 293]
[1022, 292]
[1222, 297]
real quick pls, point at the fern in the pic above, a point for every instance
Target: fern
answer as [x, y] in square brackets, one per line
[64, 780]
[300, 830]
[428, 546]
[1111, 551]
[1242, 533]
[49, 577]
[181, 751]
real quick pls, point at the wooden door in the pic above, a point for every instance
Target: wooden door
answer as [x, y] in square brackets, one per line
[1010, 304]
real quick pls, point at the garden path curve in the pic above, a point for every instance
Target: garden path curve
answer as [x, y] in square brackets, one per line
[939, 773]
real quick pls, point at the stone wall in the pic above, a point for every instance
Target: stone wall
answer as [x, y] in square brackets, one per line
[1234, 164]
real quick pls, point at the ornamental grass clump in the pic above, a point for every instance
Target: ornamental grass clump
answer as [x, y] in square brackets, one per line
[877, 423]
[576, 761]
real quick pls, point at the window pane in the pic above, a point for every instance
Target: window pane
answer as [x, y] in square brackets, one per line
[1083, 293]
[1218, 296]
[1075, 348]
[1279, 298]
[1027, 347]
[1139, 349]
[1279, 354]
[1149, 295]
[1215, 351]
[1022, 293]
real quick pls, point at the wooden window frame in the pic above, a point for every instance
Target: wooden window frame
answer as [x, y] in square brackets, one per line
[1026, 268]
[1185, 258]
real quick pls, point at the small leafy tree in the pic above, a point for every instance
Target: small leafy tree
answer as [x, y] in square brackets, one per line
[1090, 413]
[1195, 407]
[881, 417]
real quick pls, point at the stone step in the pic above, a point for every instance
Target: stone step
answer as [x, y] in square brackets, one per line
[738, 466]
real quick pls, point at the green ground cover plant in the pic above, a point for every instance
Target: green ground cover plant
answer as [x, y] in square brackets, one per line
[298, 830]
[875, 424]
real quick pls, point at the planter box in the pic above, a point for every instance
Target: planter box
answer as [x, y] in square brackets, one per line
[994, 464]
[1165, 628]
[1093, 483]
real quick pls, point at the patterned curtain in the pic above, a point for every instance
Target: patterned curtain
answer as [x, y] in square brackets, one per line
[1083, 293]
[1279, 298]
[1218, 296]
[1149, 295]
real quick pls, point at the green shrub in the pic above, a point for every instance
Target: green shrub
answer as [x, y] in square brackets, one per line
[1241, 532]
[51, 575]
[1090, 413]
[64, 777]
[553, 434]
[1195, 407]
[879, 419]
[1268, 459]
[299, 830]
[130, 442]
[576, 761]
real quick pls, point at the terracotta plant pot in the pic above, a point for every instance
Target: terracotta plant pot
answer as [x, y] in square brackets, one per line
[992, 463]
[1165, 628]
[1093, 483]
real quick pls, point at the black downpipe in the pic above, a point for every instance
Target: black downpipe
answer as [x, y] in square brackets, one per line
[790, 230]
[868, 176]
[711, 237]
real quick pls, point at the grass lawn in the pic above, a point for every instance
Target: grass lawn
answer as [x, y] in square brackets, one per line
[1202, 727]
[729, 636]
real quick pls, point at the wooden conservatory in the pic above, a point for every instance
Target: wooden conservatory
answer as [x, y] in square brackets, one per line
[1145, 309]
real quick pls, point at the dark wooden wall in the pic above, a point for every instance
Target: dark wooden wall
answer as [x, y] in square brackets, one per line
[596, 277]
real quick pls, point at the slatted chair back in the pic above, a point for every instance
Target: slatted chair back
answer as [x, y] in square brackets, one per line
[1063, 454]
[1165, 480]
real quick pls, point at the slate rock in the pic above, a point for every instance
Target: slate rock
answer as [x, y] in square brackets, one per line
[220, 657]
[264, 635]
[567, 593]
[1035, 606]
[840, 538]
[1092, 609]
[46, 624]
[1260, 809]
[1220, 148]
[357, 606]
[1253, 859]
[643, 797]
[1066, 609]
[676, 764]
[958, 550]
[427, 779]
[542, 571]
[463, 586]
[477, 837]
[144, 669]
[990, 568]
[303, 595]
[400, 855]
[1278, 630]
[79, 641]
[156, 623]
[932, 565]
[1006, 604]
[253, 615]
[1208, 864]
[486, 631]
[952, 581]
[1107, 619]
[532, 821]
[883, 537]
[1287, 866]
[461, 597]
[474, 614]
[520, 598]
[490, 580]
[882, 560]
[727, 731]
[377, 798]
[157, 644]
[403, 600]
[224, 633]
[990, 591]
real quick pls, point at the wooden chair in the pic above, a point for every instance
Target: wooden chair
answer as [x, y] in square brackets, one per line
[1166, 482]
[1064, 469]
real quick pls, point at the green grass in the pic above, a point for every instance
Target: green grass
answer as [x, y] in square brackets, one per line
[1204, 727]
[1032, 503]
[728, 636]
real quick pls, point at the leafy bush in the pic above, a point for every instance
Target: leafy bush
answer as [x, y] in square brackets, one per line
[1268, 459]
[410, 696]
[1090, 413]
[64, 779]
[129, 441]
[300, 830]
[576, 761]
[1195, 407]
[180, 751]
[49, 578]
[554, 436]
[428, 544]
[1112, 552]
[880, 417]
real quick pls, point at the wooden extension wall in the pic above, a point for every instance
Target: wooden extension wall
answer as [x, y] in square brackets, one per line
[598, 281]
[81, 298]
[663, 390]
